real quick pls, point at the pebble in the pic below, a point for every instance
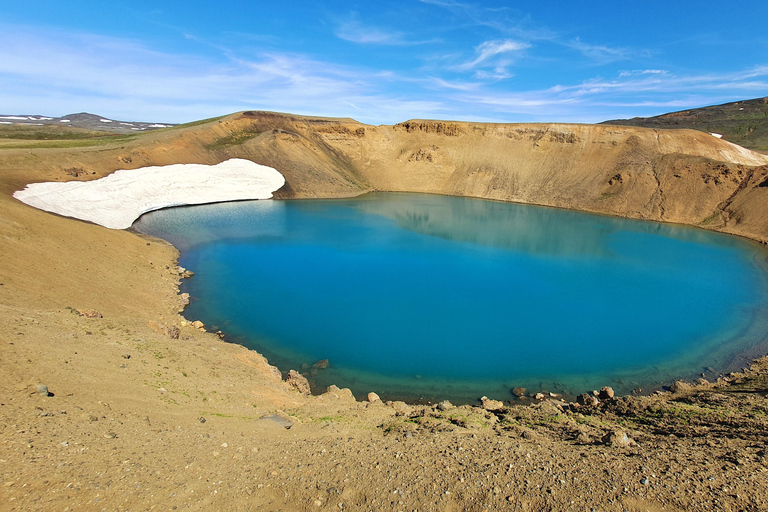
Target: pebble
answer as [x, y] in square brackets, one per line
[42, 390]
[372, 397]
[606, 392]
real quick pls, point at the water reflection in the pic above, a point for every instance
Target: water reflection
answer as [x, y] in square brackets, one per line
[541, 230]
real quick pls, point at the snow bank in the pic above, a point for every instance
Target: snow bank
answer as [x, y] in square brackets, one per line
[115, 201]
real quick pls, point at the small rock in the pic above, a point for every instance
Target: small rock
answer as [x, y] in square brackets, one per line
[201, 419]
[539, 396]
[89, 313]
[518, 392]
[606, 392]
[679, 387]
[401, 408]
[172, 331]
[162, 390]
[321, 364]
[280, 419]
[618, 439]
[445, 405]
[645, 481]
[372, 397]
[275, 372]
[198, 325]
[491, 405]
[110, 435]
[587, 400]
[42, 390]
[298, 381]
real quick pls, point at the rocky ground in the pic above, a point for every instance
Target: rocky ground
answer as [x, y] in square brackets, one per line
[132, 419]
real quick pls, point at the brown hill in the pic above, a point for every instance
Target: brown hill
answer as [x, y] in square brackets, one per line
[741, 122]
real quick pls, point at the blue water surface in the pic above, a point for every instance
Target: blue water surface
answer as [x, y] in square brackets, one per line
[423, 297]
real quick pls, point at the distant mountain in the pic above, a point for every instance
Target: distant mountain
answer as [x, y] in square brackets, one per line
[83, 120]
[743, 122]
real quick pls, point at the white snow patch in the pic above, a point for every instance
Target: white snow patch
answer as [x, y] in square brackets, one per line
[64, 121]
[138, 128]
[105, 120]
[159, 126]
[20, 118]
[6, 122]
[127, 124]
[718, 135]
[43, 118]
[117, 200]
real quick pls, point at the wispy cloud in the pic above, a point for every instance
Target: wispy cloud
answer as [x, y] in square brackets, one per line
[636, 72]
[49, 72]
[356, 32]
[600, 54]
[61, 72]
[493, 58]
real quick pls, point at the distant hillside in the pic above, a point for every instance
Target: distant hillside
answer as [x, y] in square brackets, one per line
[743, 122]
[82, 120]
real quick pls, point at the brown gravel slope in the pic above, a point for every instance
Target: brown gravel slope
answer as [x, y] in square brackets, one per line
[144, 411]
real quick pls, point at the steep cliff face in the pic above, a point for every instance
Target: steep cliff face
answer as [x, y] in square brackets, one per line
[682, 176]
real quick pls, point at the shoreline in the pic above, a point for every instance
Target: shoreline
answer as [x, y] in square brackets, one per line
[738, 362]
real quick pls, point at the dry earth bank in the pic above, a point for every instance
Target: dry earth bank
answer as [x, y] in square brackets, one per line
[144, 411]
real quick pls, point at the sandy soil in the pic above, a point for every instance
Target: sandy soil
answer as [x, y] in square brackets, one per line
[145, 411]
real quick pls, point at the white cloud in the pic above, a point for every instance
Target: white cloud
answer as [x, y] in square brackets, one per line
[58, 73]
[493, 59]
[601, 54]
[356, 32]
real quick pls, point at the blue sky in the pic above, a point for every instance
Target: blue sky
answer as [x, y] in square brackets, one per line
[381, 62]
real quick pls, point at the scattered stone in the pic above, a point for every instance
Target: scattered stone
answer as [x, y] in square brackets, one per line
[539, 396]
[518, 392]
[606, 392]
[401, 408]
[645, 481]
[89, 313]
[298, 381]
[279, 419]
[93, 418]
[172, 331]
[42, 390]
[618, 439]
[679, 386]
[321, 364]
[126, 356]
[276, 373]
[587, 400]
[373, 397]
[162, 390]
[702, 382]
[197, 324]
[491, 405]
[345, 394]
[201, 419]
[110, 435]
[445, 405]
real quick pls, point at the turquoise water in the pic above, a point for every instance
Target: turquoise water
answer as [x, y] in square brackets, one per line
[423, 297]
